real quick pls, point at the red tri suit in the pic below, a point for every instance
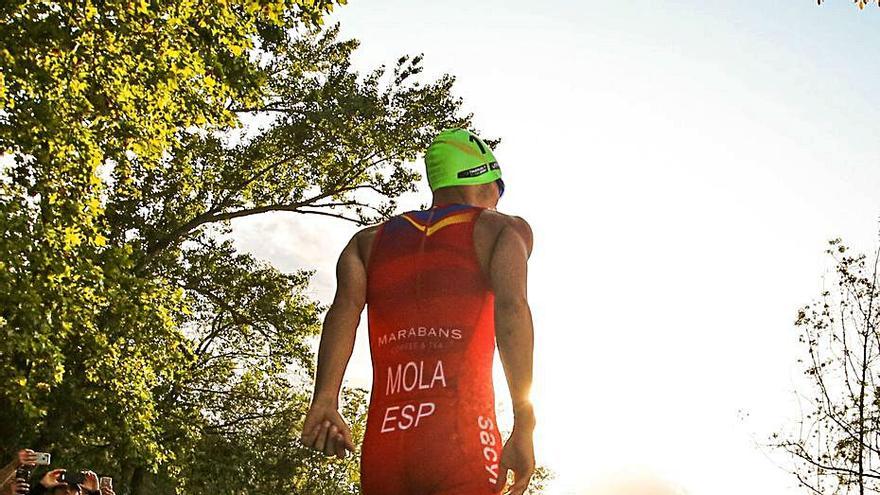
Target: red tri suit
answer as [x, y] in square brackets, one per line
[431, 427]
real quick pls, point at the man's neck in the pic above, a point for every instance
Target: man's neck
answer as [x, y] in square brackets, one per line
[446, 200]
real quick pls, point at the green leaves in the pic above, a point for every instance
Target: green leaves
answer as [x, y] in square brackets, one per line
[92, 94]
[135, 339]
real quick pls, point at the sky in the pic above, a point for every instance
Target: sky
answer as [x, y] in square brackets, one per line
[682, 165]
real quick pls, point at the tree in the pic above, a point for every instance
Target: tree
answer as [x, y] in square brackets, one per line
[835, 445]
[263, 454]
[135, 339]
[85, 85]
[861, 4]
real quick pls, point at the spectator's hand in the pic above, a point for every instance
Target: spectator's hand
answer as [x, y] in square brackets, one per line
[50, 479]
[91, 483]
[26, 458]
[18, 487]
[21, 487]
[106, 490]
[325, 430]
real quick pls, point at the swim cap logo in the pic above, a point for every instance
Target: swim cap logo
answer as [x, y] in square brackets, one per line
[480, 170]
[473, 172]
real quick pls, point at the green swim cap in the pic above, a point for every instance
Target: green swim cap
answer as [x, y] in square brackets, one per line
[458, 157]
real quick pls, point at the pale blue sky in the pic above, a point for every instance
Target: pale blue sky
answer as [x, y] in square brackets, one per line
[682, 164]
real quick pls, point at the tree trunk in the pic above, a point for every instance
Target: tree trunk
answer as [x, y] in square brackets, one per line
[137, 481]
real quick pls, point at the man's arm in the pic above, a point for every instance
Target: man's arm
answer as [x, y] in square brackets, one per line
[340, 323]
[513, 318]
[324, 428]
[515, 338]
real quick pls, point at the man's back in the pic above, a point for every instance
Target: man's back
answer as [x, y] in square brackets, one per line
[486, 229]
[431, 426]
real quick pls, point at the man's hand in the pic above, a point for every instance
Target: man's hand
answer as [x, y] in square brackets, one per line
[518, 455]
[50, 479]
[325, 430]
[26, 458]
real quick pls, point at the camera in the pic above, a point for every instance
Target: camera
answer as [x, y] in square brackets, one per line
[72, 478]
[22, 473]
[43, 459]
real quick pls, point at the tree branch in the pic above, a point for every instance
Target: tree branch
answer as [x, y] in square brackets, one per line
[806, 457]
[215, 429]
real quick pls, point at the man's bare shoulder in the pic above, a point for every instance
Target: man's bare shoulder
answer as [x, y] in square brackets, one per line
[368, 230]
[366, 233]
[526, 230]
[364, 240]
[499, 220]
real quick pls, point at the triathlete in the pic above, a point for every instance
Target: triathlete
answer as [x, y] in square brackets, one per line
[441, 286]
